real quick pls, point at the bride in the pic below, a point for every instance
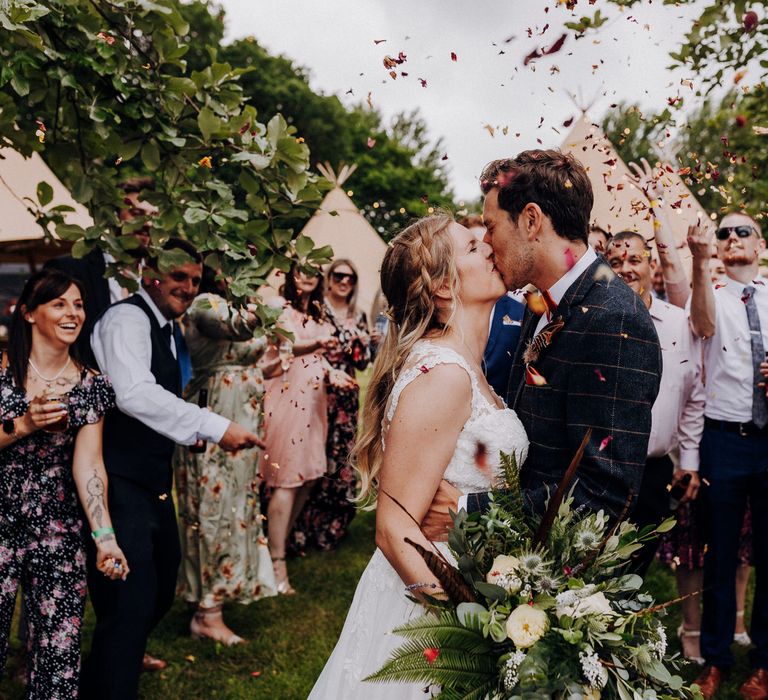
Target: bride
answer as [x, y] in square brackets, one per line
[429, 415]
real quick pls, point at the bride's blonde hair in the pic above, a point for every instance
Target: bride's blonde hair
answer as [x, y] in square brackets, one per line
[418, 262]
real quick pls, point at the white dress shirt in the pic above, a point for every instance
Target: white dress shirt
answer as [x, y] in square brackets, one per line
[728, 366]
[123, 349]
[677, 417]
[558, 289]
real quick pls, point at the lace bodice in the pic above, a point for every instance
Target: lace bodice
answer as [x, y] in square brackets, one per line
[475, 464]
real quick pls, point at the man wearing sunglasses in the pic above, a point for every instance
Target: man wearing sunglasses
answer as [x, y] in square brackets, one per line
[733, 320]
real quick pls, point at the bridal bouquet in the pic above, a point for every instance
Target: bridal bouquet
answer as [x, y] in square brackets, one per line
[539, 610]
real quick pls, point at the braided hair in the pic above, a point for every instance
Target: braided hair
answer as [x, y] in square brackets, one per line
[418, 262]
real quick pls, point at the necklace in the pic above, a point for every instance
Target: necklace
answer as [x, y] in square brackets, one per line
[49, 380]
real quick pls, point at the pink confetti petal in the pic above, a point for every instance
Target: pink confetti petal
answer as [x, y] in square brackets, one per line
[605, 442]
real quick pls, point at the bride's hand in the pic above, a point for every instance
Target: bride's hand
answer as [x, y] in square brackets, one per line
[437, 521]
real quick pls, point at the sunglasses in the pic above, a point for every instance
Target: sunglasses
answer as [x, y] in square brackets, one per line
[723, 234]
[340, 277]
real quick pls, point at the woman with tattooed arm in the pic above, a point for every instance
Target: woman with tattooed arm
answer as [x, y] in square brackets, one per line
[51, 407]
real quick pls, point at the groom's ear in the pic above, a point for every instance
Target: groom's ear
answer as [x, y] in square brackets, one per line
[531, 220]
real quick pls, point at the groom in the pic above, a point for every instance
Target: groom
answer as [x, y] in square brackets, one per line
[592, 360]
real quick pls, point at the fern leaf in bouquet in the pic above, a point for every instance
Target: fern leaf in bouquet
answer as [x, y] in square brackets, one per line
[448, 649]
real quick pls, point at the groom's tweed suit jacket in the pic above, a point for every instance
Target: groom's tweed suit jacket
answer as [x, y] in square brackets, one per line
[602, 372]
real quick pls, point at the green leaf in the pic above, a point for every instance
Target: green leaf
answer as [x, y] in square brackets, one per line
[667, 525]
[150, 155]
[44, 193]
[304, 246]
[208, 123]
[80, 248]
[194, 215]
[70, 232]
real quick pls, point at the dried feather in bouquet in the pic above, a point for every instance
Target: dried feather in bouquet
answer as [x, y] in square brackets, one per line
[554, 503]
[452, 581]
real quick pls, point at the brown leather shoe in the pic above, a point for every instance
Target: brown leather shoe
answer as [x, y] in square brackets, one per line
[150, 663]
[756, 686]
[709, 681]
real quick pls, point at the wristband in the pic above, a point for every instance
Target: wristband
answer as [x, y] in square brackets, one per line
[102, 531]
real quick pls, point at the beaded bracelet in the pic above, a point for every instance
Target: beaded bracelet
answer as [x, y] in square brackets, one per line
[414, 586]
[103, 531]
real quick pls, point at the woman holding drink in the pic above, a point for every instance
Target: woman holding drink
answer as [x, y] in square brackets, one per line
[51, 407]
[329, 509]
[296, 412]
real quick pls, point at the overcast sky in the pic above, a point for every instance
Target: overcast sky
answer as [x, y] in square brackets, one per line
[627, 60]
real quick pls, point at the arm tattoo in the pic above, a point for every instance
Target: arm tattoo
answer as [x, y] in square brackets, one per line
[95, 505]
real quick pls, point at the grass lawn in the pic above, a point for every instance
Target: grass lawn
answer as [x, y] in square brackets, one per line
[290, 637]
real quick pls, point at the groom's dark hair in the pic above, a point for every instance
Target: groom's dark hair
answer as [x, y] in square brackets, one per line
[556, 181]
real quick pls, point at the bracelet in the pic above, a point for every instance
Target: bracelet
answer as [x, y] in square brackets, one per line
[414, 586]
[102, 531]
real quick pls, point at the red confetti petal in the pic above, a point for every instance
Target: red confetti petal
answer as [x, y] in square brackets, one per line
[430, 654]
[454, 57]
[605, 442]
[533, 378]
[599, 375]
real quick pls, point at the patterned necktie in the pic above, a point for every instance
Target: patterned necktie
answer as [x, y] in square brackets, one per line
[759, 402]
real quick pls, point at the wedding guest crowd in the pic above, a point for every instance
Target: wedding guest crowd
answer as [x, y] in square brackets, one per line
[112, 395]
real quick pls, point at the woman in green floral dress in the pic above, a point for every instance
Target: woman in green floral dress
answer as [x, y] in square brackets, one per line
[224, 552]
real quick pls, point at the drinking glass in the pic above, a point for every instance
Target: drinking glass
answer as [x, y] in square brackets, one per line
[63, 423]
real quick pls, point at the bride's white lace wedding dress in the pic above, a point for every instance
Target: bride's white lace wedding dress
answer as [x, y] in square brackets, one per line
[380, 601]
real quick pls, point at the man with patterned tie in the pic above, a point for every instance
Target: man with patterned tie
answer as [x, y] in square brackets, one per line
[732, 317]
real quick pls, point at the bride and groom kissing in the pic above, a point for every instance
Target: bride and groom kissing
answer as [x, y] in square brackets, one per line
[432, 426]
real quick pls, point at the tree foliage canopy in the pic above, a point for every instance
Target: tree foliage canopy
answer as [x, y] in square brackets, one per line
[722, 145]
[102, 89]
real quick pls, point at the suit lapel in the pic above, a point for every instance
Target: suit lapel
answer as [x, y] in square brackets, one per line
[572, 297]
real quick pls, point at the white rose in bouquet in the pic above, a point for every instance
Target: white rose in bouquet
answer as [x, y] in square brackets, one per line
[526, 625]
[595, 604]
[502, 573]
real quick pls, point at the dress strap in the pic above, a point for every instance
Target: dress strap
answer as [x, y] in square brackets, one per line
[422, 359]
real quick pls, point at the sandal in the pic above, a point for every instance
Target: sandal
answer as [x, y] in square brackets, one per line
[742, 638]
[284, 586]
[200, 630]
[682, 633]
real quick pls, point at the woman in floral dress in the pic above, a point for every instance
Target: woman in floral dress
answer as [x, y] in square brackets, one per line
[326, 516]
[224, 552]
[51, 408]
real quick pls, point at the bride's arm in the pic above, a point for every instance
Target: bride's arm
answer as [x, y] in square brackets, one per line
[421, 440]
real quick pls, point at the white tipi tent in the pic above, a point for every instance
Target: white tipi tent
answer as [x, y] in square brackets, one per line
[339, 224]
[20, 235]
[619, 205]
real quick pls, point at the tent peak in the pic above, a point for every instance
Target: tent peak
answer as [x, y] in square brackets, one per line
[327, 171]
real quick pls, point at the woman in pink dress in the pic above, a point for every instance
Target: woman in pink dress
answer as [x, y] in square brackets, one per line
[295, 407]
